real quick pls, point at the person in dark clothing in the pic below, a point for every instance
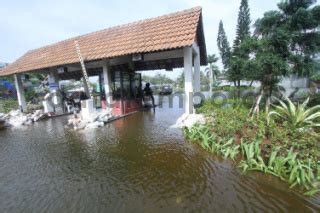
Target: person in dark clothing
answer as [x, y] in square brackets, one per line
[83, 96]
[148, 92]
[64, 100]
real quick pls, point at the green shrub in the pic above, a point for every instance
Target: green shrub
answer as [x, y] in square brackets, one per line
[8, 105]
[297, 116]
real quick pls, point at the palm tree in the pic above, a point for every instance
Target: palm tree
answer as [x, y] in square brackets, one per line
[213, 70]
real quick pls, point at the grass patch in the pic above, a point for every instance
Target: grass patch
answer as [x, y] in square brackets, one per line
[229, 88]
[8, 105]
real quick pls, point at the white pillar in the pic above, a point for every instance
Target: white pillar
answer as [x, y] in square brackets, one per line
[20, 93]
[107, 84]
[188, 76]
[54, 86]
[196, 64]
[53, 80]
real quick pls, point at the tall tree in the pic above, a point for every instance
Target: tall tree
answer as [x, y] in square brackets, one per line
[286, 43]
[237, 71]
[243, 25]
[223, 46]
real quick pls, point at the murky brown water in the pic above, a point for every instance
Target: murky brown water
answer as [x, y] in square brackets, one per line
[136, 164]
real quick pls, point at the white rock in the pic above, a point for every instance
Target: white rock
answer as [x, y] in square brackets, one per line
[80, 125]
[15, 113]
[39, 117]
[92, 117]
[105, 115]
[37, 113]
[94, 125]
[70, 121]
[189, 120]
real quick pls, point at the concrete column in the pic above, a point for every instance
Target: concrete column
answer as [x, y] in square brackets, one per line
[54, 86]
[196, 64]
[53, 80]
[107, 84]
[20, 93]
[196, 74]
[188, 79]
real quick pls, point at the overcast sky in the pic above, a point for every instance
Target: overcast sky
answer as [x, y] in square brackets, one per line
[31, 24]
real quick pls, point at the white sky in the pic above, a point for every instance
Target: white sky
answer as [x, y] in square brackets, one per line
[31, 24]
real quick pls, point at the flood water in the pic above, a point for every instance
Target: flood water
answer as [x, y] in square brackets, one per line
[136, 164]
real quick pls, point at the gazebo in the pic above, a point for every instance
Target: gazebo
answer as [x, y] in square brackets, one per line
[170, 41]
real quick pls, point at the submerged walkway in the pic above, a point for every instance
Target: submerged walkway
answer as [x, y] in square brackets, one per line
[135, 164]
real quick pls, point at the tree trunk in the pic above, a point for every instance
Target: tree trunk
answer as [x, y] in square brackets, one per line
[269, 99]
[251, 83]
[255, 108]
[239, 91]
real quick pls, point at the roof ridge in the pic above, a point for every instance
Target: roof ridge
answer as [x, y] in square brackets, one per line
[197, 8]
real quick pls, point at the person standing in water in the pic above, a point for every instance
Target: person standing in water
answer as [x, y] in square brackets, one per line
[148, 92]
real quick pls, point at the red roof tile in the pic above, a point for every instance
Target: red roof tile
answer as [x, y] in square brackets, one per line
[161, 33]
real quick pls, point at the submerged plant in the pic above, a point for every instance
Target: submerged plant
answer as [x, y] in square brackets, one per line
[297, 116]
[253, 159]
[210, 142]
[194, 132]
[301, 174]
[278, 165]
[229, 150]
[287, 168]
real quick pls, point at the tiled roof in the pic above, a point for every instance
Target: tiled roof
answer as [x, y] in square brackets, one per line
[161, 33]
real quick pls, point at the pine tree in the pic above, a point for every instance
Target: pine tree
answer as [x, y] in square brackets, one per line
[223, 46]
[243, 26]
[238, 59]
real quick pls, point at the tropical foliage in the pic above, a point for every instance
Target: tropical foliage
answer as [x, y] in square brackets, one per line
[285, 41]
[297, 116]
[267, 143]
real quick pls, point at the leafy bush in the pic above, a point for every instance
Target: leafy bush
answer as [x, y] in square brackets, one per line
[29, 95]
[253, 159]
[297, 116]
